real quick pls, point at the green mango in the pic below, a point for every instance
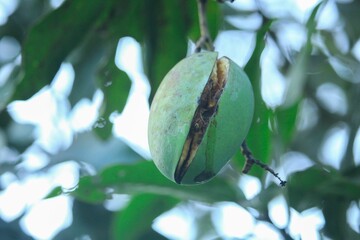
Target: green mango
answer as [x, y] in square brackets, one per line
[200, 115]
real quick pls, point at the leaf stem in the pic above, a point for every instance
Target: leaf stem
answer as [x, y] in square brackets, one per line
[250, 161]
[204, 41]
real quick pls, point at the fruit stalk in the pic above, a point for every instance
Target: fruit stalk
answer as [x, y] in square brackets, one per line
[205, 41]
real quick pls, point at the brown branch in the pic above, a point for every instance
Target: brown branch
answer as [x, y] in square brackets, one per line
[250, 161]
[204, 41]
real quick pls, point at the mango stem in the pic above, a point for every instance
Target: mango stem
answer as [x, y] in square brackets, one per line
[250, 161]
[205, 41]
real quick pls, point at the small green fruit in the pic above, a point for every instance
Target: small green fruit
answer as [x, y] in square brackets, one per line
[200, 115]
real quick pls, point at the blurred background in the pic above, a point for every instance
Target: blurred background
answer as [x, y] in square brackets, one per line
[76, 81]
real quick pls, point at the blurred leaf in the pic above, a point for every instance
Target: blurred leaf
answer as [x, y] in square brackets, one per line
[303, 187]
[7, 88]
[87, 191]
[285, 119]
[166, 44]
[126, 18]
[88, 222]
[57, 191]
[215, 19]
[334, 213]
[144, 177]
[115, 85]
[89, 149]
[342, 187]
[12, 230]
[346, 67]
[135, 221]
[29, 12]
[52, 39]
[349, 13]
[313, 186]
[297, 72]
[19, 136]
[151, 234]
[205, 226]
[261, 200]
[258, 138]
[86, 60]
[229, 10]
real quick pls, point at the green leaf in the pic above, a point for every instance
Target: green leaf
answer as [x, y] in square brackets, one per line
[57, 191]
[121, 22]
[311, 187]
[335, 212]
[87, 191]
[285, 120]
[144, 177]
[52, 39]
[115, 85]
[86, 60]
[297, 72]
[134, 222]
[260, 201]
[349, 14]
[92, 221]
[259, 136]
[166, 44]
[303, 186]
[88, 148]
[215, 19]
[7, 88]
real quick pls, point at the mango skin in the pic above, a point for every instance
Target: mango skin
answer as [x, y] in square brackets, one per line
[174, 106]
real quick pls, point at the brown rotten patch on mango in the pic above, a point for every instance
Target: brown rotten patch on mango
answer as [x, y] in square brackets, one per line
[207, 108]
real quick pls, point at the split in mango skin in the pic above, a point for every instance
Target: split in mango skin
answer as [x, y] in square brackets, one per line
[200, 115]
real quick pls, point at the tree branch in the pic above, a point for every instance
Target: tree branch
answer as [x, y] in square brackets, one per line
[250, 161]
[205, 41]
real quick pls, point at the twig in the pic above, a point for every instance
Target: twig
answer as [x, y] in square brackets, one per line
[205, 41]
[250, 161]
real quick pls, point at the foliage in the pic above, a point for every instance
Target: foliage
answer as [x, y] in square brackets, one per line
[86, 34]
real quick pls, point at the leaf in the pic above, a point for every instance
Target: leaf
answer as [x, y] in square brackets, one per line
[166, 44]
[349, 13]
[258, 138]
[57, 191]
[87, 191]
[311, 187]
[13, 230]
[127, 18]
[215, 19]
[7, 88]
[86, 60]
[285, 119]
[115, 85]
[144, 177]
[89, 149]
[335, 212]
[92, 221]
[297, 72]
[52, 39]
[204, 226]
[135, 221]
